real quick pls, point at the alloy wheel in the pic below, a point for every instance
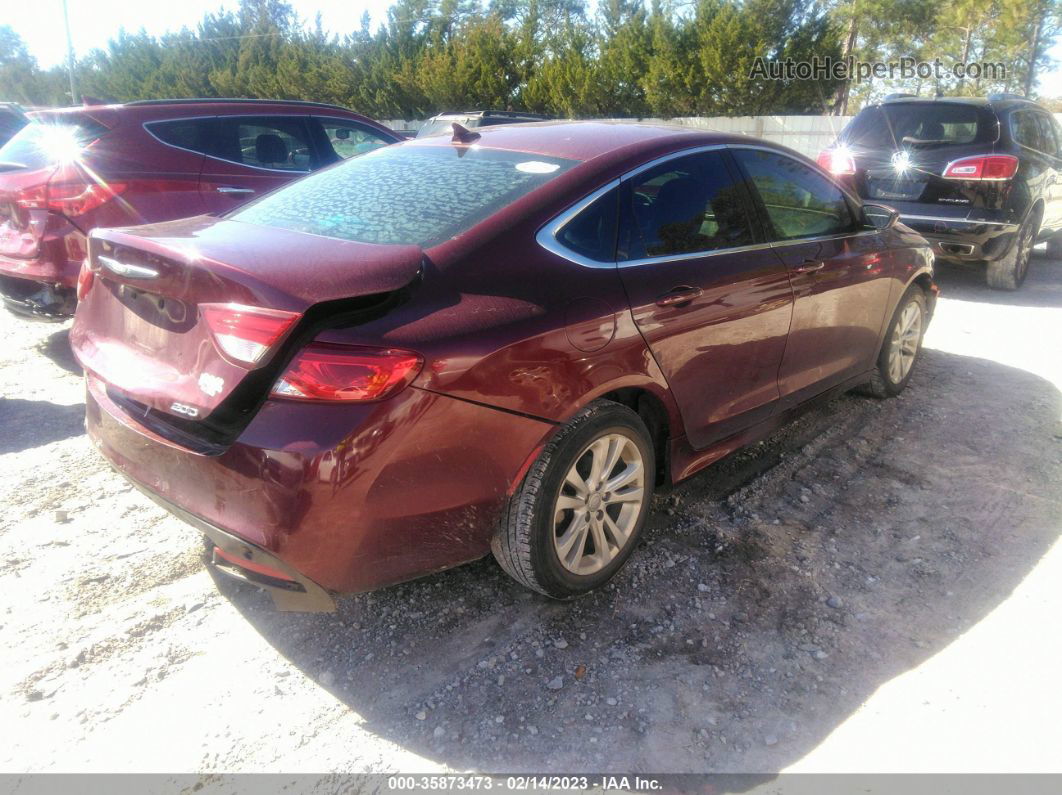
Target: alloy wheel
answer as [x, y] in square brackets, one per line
[903, 345]
[599, 504]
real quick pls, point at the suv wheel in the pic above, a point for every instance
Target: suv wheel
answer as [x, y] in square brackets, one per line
[580, 511]
[902, 346]
[1008, 272]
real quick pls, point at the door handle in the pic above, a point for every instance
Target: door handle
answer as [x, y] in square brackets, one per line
[810, 266]
[232, 190]
[678, 296]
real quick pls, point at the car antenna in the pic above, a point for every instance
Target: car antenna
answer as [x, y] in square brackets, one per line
[463, 135]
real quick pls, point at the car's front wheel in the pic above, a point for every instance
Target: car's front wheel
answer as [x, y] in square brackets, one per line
[902, 346]
[580, 510]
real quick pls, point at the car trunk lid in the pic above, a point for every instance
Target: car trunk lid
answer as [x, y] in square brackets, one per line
[165, 299]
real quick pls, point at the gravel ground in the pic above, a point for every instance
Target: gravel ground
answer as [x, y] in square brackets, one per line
[875, 587]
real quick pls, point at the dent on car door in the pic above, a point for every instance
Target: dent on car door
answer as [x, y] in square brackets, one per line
[839, 269]
[253, 155]
[711, 301]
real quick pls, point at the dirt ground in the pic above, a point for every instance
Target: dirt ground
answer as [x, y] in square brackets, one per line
[875, 588]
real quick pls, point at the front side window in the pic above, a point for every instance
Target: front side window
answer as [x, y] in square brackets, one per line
[685, 205]
[405, 194]
[348, 139]
[278, 143]
[799, 201]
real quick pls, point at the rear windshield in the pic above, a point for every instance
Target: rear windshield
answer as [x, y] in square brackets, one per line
[42, 143]
[918, 124]
[405, 194]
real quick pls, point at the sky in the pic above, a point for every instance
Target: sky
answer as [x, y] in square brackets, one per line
[94, 22]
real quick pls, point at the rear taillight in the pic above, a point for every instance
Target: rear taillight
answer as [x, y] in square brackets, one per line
[344, 373]
[71, 198]
[838, 161]
[246, 333]
[982, 167]
[85, 277]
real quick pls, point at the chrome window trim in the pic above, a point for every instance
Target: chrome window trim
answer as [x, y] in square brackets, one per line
[945, 219]
[227, 116]
[547, 235]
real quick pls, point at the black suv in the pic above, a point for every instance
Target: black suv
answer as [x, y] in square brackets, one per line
[981, 179]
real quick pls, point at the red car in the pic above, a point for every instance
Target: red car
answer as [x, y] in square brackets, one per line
[501, 341]
[77, 169]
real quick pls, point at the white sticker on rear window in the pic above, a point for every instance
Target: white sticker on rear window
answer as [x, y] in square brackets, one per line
[536, 167]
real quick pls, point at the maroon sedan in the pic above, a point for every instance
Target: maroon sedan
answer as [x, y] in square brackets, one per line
[72, 170]
[501, 341]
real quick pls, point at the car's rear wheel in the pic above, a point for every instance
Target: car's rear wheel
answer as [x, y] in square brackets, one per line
[902, 346]
[580, 510]
[1009, 272]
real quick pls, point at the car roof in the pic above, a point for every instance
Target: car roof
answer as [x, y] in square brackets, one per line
[586, 140]
[158, 108]
[1001, 102]
[486, 114]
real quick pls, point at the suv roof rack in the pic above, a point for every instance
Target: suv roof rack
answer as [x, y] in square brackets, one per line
[230, 100]
[895, 97]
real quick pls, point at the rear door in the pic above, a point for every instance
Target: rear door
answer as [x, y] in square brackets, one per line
[711, 300]
[253, 155]
[839, 277]
[1041, 146]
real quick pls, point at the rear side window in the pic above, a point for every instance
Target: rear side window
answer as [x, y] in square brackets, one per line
[683, 206]
[1049, 132]
[197, 135]
[799, 201]
[405, 194]
[44, 142]
[274, 143]
[1026, 129]
[918, 124]
[592, 233]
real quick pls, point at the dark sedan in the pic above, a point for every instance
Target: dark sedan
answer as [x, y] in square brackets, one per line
[501, 341]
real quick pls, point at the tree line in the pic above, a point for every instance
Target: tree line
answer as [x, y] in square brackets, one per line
[626, 59]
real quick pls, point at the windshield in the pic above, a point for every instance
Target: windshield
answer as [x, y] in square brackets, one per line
[890, 126]
[405, 194]
[43, 143]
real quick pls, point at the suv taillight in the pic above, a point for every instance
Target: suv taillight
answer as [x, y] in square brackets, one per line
[982, 167]
[71, 198]
[346, 373]
[838, 161]
[246, 333]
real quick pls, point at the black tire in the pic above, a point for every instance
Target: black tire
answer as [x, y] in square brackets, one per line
[881, 384]
[524, 543]
[1009, 271]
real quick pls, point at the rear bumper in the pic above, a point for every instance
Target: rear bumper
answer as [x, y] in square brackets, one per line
[961, 240]
[37, 300]
[339, 498]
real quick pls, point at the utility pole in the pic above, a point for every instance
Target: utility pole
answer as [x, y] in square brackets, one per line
[70, 56]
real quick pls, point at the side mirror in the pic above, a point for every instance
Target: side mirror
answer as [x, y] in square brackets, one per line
[880, 216]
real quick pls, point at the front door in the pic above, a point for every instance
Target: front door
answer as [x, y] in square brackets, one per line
[840, 279]
[712, 302]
